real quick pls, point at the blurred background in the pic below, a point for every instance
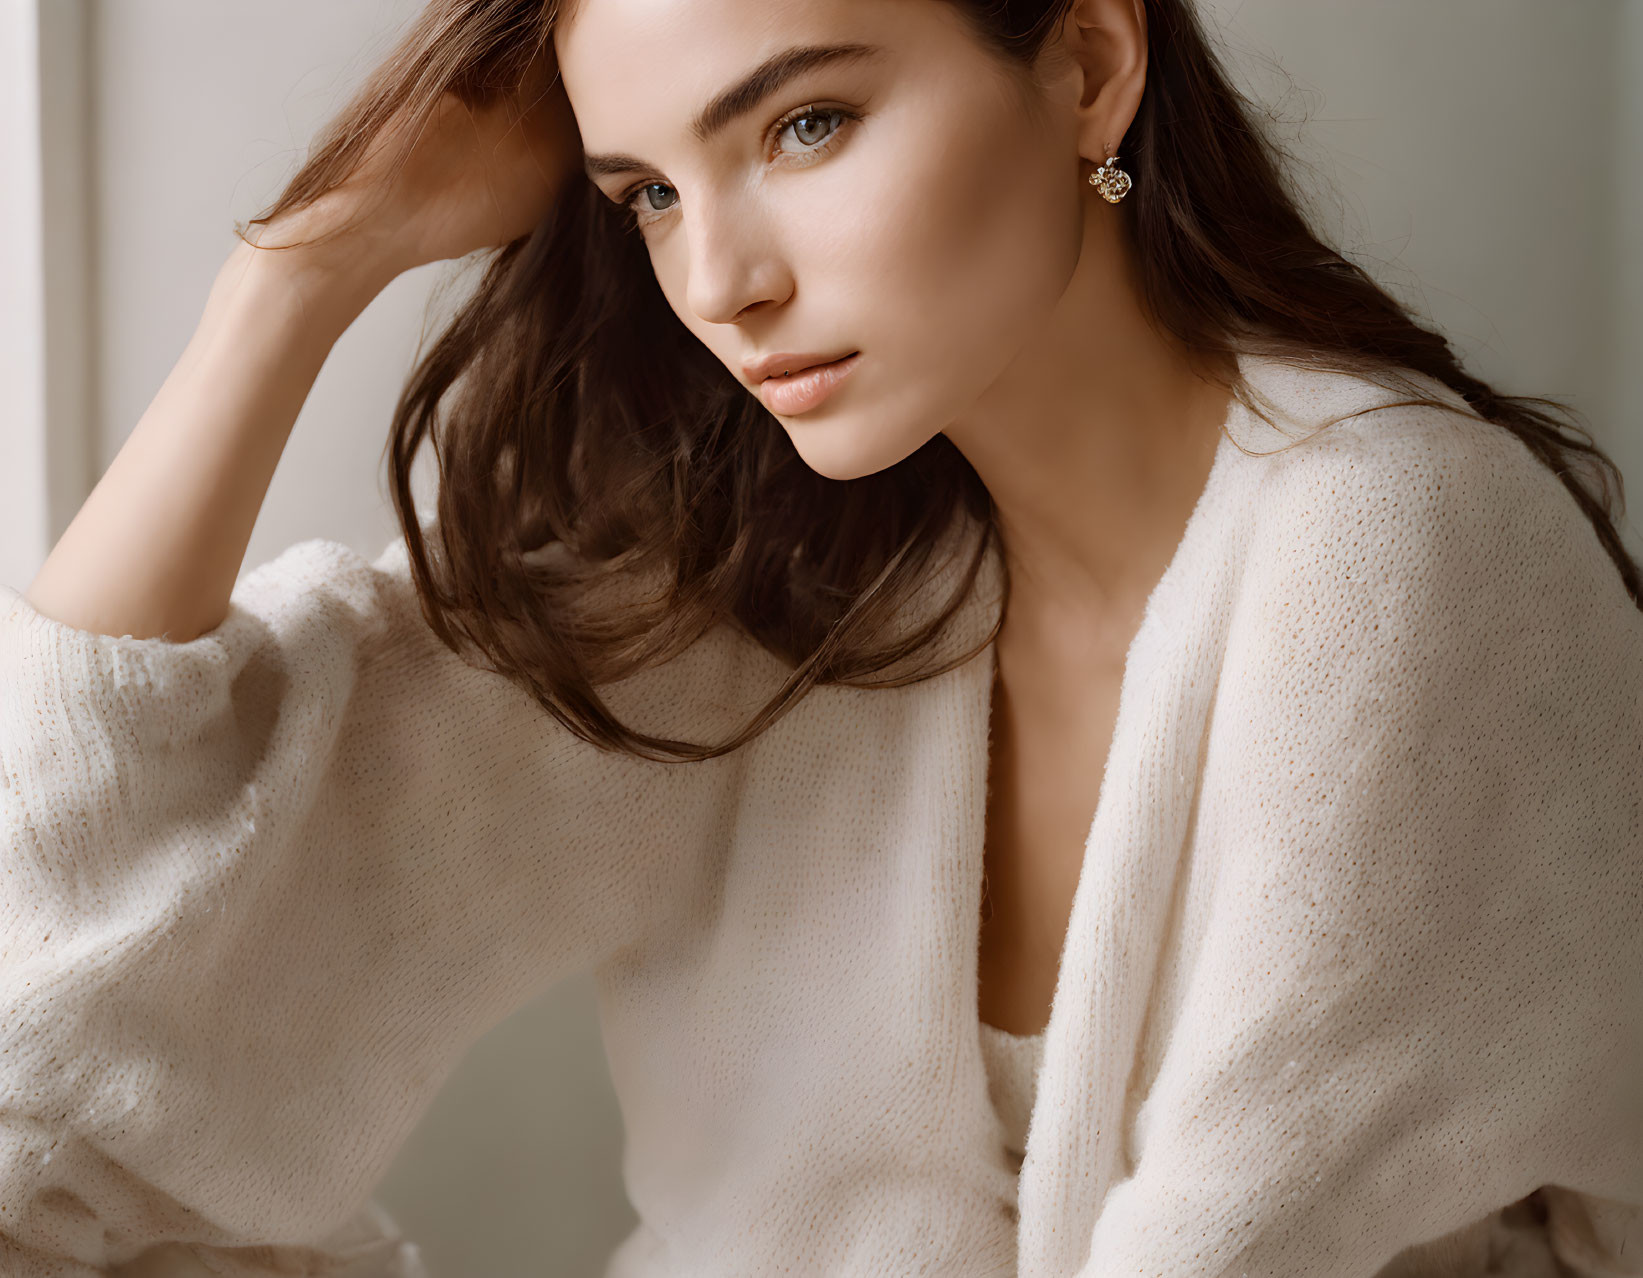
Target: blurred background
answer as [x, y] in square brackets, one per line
[1480, 158]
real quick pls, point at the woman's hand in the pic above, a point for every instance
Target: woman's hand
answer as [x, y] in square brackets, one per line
[474, 178]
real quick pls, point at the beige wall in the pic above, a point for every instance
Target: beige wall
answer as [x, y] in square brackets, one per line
[1480, 159]
[1478, 156]
[1622, 248]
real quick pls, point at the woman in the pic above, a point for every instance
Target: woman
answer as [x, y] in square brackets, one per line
[1140, 650]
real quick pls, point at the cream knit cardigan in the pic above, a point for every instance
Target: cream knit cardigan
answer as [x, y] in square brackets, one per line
[1355, 959]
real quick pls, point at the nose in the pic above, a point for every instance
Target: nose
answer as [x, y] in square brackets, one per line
[734, 260]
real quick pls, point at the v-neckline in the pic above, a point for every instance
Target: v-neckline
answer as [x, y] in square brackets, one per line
[1124, 725]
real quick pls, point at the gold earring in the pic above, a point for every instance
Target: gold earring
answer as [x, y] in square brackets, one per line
[1113, 183]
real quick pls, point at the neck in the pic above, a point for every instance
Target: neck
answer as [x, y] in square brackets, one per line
[1094, 445]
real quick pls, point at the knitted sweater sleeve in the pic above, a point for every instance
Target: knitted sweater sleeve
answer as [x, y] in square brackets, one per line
[262, 890]
[1419, 994]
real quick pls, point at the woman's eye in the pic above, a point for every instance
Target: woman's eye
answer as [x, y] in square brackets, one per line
[809, 118]
[813, 137]
[632, 201]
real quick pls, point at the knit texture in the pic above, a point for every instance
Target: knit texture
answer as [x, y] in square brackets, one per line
[1355, 960]
[1012, 1062]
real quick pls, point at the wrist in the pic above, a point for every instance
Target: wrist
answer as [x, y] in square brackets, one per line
[332, 270]
[326, 285]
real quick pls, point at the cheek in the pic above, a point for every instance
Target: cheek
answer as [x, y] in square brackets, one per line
[971, 250]
[939, 255]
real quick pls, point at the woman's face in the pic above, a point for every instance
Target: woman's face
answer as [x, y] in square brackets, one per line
[913, 201]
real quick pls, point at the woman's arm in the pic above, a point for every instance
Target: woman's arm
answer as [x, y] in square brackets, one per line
[158, 544]
[1417, 995]
[260, 892]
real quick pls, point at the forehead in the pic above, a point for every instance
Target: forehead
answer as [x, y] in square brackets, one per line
[612, 24]
[687, 50]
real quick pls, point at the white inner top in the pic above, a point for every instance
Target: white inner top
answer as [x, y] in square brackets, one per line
[1012, 1081]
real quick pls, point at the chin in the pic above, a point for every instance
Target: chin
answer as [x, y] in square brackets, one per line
[837, 455]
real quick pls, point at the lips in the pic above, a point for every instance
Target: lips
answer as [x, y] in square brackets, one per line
[785, 363]
[806, 388]
[795, 370]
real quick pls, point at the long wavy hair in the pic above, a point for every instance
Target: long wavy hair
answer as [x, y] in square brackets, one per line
[586, 441]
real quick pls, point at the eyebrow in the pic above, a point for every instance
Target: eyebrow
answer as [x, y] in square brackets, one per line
[745, 96]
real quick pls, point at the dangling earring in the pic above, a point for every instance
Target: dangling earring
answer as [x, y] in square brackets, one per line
[1113, 183]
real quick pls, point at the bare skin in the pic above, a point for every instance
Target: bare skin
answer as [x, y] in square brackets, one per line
[950, 236]
[155, 549]
[960, 193]
[1094, 482]
[1090, 520]
[1084, 555]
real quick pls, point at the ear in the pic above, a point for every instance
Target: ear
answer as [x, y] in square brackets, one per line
[1107, 39]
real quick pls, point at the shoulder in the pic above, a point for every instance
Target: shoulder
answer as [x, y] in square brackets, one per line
[1423, 509]
[1415, 580]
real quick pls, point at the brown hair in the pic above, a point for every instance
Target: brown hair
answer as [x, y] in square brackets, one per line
[566, 403]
